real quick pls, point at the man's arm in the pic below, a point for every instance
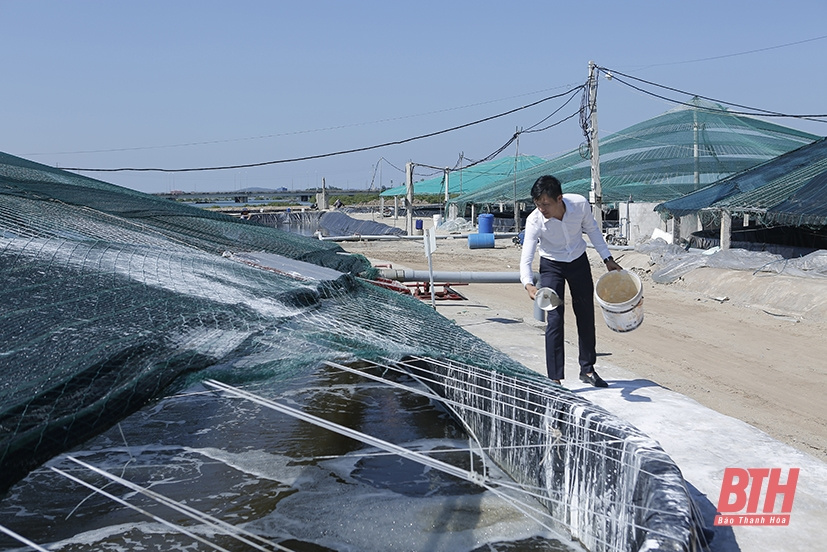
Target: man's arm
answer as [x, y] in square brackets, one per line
[595, 234]
[527, 258]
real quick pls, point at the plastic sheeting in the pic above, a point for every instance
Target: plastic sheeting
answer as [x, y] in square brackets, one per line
[337, 223]
[674, 261]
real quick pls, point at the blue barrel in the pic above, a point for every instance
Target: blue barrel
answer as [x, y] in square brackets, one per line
[419, 224]
[485, 223]
[481, 241]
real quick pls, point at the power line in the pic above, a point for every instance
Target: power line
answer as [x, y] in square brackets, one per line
[754, 111]
[531, 129]
[724, 56]
[324, 155]
[296, 132]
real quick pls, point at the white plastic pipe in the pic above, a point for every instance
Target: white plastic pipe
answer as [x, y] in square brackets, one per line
[453, 277]
[391, 237]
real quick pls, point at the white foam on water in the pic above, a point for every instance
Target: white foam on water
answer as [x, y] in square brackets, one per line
[257, 463]
[338, 510]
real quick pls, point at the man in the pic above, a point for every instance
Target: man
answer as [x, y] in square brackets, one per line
[557, 225]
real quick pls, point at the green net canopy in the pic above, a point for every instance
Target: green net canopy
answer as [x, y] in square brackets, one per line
[678, 152]
[472, 178]
[109, 297]
[789, 190]
[119, 308]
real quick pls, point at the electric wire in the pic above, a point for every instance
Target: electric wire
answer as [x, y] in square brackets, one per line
[736, 54]
[516, 135]
[753, 111]
[324, 155]
[298, 132]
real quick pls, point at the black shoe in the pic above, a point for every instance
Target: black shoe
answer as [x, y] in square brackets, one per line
[593, 379]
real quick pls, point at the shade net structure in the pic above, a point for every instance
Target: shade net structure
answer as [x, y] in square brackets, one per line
[668, 156]
[790, 189]
[128, 317]
[471, 178]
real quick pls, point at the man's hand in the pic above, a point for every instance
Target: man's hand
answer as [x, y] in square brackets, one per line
[611, 264]
[532, 291]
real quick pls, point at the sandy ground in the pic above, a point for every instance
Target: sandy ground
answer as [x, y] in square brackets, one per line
[748, 346]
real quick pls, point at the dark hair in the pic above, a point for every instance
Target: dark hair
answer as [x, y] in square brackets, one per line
[548, 185]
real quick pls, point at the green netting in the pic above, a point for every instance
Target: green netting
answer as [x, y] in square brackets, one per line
[110, 296]
[789, 190]
[655, 160]
[472, 178]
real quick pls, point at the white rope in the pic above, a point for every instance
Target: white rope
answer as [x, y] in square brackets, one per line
[429, 394]
[537, 514]
[22, 539]
[608, 438]
[219, 525]
[150, 515]
[346, 431]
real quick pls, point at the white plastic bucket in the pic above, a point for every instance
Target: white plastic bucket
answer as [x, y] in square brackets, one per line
[620, 296]
[437, 220]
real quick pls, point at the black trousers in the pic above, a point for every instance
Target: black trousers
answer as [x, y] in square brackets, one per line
[578, 275]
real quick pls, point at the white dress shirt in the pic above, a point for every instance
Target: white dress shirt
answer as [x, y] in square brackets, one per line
[560, 240]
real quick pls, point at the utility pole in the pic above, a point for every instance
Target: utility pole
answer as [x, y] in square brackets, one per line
[596, 193]
[516, 161]
[409, 196]
[696, 127]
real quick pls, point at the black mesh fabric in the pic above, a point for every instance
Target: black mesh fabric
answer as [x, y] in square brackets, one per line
[110, 296]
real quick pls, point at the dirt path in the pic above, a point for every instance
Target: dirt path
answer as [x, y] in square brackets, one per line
[751, 347]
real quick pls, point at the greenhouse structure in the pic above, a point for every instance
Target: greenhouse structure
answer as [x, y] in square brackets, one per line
[660, 159]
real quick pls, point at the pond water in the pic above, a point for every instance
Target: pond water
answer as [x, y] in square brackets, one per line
[279, 478]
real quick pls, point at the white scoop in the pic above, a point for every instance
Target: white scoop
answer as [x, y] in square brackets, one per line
[545, 299]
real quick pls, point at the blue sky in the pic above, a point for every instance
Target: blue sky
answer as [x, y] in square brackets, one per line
[183, 84]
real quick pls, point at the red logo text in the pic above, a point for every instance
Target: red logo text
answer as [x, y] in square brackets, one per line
[756, 496]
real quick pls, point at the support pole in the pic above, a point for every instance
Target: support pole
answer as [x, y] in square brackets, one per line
[726, 229]
[516, 204]
[596, 194]
[696, 149]
[321, 198]
[409, 196]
